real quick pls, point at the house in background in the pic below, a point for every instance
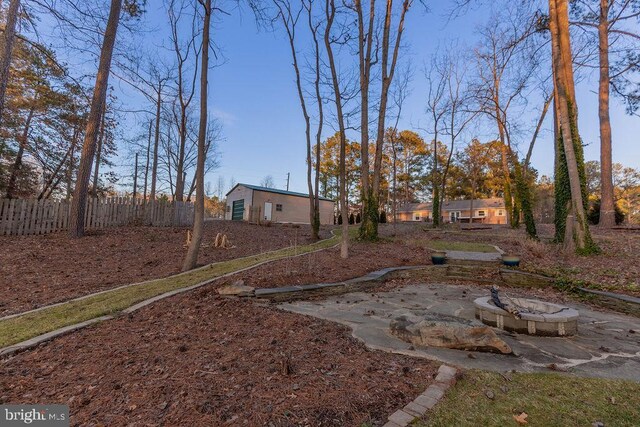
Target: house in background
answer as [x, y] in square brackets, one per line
[252, 203]
[485, 211]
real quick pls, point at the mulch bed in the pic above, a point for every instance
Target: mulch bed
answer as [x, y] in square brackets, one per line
[327, 266]
[197, 359]
[41, 270]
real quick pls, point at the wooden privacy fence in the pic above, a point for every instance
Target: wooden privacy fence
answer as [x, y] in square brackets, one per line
[20, 217]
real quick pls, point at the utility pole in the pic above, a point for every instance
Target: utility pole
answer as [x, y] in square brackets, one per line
[135, 179]
[288, 176]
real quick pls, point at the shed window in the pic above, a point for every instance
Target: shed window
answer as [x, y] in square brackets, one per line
[278, 208]
[228, 208]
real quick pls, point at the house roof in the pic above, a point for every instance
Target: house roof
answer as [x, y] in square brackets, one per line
[275, 190]
[455, 205]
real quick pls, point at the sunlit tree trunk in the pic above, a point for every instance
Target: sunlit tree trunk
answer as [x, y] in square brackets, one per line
[577, 224]
[76, 219]
[607, 210]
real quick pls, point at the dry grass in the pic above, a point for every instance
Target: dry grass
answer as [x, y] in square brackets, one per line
[548, 400]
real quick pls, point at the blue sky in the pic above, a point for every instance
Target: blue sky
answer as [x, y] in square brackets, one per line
[253, 93]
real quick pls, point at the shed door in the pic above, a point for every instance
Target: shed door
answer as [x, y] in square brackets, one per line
[267, 211]
[237, 211]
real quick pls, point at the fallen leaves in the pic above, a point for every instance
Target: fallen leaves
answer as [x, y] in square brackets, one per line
[522, 418]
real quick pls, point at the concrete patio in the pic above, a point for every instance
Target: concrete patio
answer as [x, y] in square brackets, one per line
[607, 344]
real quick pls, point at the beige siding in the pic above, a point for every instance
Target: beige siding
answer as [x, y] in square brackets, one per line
[418, 215]
[295, 209]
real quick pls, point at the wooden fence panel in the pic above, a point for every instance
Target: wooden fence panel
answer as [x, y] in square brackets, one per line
[20, 217]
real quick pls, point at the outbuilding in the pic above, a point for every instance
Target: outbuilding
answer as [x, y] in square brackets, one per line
[252, 203]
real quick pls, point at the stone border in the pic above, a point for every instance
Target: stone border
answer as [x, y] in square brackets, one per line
[427, 400]
[621, 297]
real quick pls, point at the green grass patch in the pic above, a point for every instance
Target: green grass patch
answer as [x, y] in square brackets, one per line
[548, 400]
[29, 325]
[445, 245]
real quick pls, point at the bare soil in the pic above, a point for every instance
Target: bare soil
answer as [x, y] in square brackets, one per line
[41, 270]
[197, 359]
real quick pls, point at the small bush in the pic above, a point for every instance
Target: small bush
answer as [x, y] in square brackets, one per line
[383, 217]
[358, 218]
[340, 219]
[352, 219]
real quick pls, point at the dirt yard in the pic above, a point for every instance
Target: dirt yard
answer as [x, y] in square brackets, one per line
[41, 270]
[197, 359]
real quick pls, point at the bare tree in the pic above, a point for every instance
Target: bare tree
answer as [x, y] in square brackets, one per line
[330, 14]
[191, 258]
[185, 84]
[389, 52]
[289, 19]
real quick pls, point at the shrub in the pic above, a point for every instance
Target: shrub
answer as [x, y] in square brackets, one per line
[340, 219]
[383, 217]
[352, 219]
[358, 218]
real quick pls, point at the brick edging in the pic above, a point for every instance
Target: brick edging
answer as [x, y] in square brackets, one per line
[427, 400]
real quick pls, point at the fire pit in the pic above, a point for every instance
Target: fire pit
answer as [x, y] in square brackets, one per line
[535, 317]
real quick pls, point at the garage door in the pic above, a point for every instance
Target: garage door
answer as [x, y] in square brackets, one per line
[237, 211]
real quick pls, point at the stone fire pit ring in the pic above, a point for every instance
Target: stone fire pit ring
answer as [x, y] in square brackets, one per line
[545, 319]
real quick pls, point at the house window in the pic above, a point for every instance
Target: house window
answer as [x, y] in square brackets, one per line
[454, 216]
[500, 212]
[482, 213]
[417, 217]
[278, 208]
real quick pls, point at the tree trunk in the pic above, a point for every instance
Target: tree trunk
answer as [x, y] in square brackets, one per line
[154, 165]
[70, 167]
[388, 70]
[607, 209]
[567, 109]
[135, 179]
[369, 224]
[316, 201]
[76, 219]
[146, 165]
[17, 164]
[49, 185]
[6, 46]
[191, 259]
[330, 14]
[96, 172]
